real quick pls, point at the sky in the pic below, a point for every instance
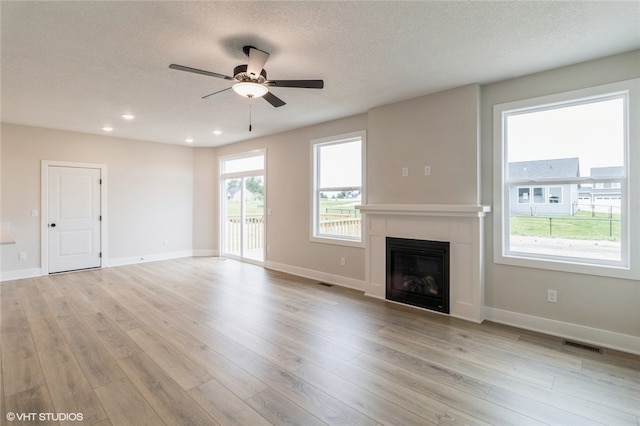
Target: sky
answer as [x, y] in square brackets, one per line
[593, 132]
[341, 164]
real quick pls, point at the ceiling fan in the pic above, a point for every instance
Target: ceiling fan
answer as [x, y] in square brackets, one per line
[251, 79]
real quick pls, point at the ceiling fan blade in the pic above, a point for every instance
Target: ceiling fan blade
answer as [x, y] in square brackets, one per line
[257, 59]
[197, 71]
[273, 100]
[215, 93]
[302, 84]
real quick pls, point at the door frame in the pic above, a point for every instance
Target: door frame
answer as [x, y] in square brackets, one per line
[222, 202]
[44, 208]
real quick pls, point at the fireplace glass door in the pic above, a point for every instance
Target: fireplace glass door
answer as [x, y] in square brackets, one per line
[418, 273]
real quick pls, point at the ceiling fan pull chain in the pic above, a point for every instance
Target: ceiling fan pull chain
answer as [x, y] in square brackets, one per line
[250, 102]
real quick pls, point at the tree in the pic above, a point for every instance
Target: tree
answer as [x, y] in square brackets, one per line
[255, 186]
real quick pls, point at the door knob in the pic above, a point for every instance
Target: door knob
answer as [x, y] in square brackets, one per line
[53, 225]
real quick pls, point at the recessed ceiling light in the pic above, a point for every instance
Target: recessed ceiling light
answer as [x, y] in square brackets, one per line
[107, 128]
[128, 116]
[188, 140]
[217, 132]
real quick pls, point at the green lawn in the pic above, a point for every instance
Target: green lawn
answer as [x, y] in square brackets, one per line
[582, 226]
[340, 207]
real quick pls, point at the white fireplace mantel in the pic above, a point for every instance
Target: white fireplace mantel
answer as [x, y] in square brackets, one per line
[468, 210]
[462, 225]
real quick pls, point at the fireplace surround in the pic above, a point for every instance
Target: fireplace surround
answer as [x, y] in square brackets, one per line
[462, 225]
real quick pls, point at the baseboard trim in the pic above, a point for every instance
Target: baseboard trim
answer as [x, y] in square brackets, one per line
[123, 261]
[205, 253]
[594, 336]
[20, 274]
[316, 275]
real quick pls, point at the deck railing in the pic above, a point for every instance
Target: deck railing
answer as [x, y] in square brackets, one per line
[254, 230]
[254, 233]
[347, 226]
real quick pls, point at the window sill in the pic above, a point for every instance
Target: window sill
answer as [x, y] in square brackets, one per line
[337, 241]
[567, 265]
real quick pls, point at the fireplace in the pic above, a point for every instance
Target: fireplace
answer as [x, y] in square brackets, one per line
[418, 273]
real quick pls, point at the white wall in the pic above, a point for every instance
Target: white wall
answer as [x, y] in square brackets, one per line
[599, 309]
[149, 193]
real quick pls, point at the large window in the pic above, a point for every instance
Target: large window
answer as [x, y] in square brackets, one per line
[563, 188]
[337, 188]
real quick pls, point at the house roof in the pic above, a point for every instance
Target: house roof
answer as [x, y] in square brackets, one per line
[545, 169]
[614, 171]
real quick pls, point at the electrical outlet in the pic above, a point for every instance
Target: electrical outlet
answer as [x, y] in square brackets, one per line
[165, 242]
[427, 170]
[405, 171]
[552, 296]
[343, 261]
[22, 256]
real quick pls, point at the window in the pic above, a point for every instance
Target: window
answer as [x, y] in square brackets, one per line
[563, 191]
[538, 195]
[523, 195]
[242, 201]
[555, 195]
[337, 188]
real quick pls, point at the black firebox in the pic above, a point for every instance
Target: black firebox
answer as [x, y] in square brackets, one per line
[418, 273]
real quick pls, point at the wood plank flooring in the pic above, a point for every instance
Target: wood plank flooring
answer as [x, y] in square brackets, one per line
[209, 341]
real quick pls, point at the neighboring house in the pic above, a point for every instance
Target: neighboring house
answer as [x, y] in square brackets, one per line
[603, 196]
[537, 199]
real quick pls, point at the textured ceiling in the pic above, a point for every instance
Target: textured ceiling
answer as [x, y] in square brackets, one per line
[79, 65]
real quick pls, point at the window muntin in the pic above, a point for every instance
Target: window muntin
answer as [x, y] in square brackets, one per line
[337, 188]
[600, 160]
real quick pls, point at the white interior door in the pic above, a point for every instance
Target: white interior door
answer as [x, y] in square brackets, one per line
[74, 218]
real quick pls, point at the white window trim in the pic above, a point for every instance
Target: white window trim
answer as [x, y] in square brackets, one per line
[626, 269]
[314, 180]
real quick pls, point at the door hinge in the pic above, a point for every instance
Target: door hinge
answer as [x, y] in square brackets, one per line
[100, 181]
[100, 255]
[100, 219]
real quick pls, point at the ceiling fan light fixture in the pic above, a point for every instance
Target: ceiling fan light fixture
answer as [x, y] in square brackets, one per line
[250, 89]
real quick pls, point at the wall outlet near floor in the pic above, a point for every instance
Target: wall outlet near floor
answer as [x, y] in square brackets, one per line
[552, 296]
[22, 255]
[427, 170]
[165, 242]
[343, 261]
[405, 171]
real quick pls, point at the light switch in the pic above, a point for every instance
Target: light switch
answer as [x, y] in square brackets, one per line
[34, 213]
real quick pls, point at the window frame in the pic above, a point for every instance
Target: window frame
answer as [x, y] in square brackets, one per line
[315, 236]
[630, 184]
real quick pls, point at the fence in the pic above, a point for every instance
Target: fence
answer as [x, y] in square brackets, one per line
[584, 228]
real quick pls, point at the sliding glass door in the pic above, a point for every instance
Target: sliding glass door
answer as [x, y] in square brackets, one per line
[243, 198]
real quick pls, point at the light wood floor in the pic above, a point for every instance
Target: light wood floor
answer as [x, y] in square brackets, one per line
[208, 341]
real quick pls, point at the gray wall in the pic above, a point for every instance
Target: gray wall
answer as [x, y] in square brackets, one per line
[590, 301]
[438, 130]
